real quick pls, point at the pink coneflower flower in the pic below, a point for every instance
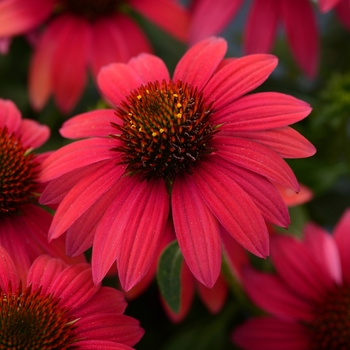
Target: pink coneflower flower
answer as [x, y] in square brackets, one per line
[58, 306]
[307, 299]
[300, 25]
[90, 34]
[23, 224]
[342, 8]
[194, 146]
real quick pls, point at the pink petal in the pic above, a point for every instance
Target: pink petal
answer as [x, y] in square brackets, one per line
[33, 134]
[199, 63]
[5, 44]
[75, 156]
[272, 295]
[264, 194]
[82, 196]
[18, 16]
[167, 14]
[234, 209]
[133, 233]
[343, 12]
[44, 272]
[198, 235]
[117, 80]
[237, 78]
[302, 34]
[292, 198]
[8, 273]
[261, 111]
[267, 333]
[341, 237]
[215, 14]
[101, 344]
[261, 26]
[70, 62]
[90, 124]
[285, 141]
[74, 286]
[149, 68]
[10, 116]
[290, 258]
[256, 158]
[326, 5]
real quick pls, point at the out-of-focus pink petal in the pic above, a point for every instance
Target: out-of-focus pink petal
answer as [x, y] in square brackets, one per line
[268, 333]
[261, 111]
[272, 295]
[44, 272]
[341, 235]
[326, 5]
[10, 116]
[8, 272]
[90, 124]
[33, 134]
[209, 17]
[214, 298]
[197, 231]
[117, 80]
[324, 250]
[261, 26]
[290, 258]
[199, 63]
[149, 68]
[234, 209]
[70, 62]
[343, 12]
[292, 198]
[74, 286]
[285, 141]
[40, 69]
[5, 45]
[237, 78]
[82, 196]
[76, 155]
[257, 158]
[302, 34]
[167, 14]
[133, 234]
[261, 191]
[18, 16]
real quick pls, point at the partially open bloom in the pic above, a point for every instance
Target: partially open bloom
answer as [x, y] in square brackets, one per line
[23, 223]
[57, 306]
[307, 299]
[194, 146]
[341, 7]
[89, 34]
[300, 25]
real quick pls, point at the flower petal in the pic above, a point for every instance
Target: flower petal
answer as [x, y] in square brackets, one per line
[8, 273]
[33, 134]
[237, 78]
[10, 116]
[198, 234]
[199, 63]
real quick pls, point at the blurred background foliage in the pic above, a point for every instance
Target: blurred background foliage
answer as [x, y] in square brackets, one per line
[326, 173]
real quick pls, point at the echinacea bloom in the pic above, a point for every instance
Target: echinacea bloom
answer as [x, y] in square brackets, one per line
[210, 17]
[23, 223]
[194, 146]
[342, 9]
[57, 306]
[299, 21]
[307, 299]
[90, 34]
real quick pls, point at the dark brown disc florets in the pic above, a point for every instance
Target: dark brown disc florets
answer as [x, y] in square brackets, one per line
[29, 320]
[166, 129]
[18, 170]
[331, 327]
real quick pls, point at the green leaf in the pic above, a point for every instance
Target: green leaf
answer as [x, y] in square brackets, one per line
[168, 275]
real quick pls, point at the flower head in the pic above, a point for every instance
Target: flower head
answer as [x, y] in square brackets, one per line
[308, 298]
[23, 223]
[194, 146]
[59, 307]
[90, 34]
